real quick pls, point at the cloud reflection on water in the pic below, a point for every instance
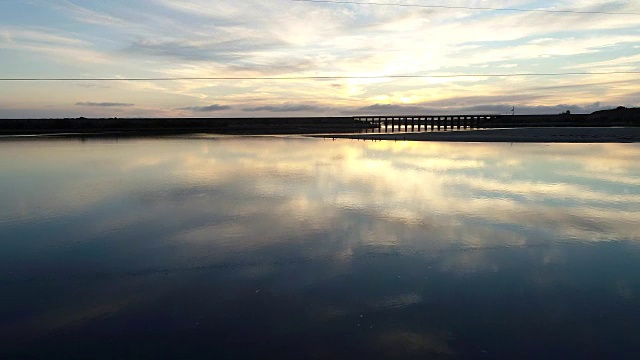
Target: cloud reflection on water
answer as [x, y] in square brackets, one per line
[271, 188]
[281, 216]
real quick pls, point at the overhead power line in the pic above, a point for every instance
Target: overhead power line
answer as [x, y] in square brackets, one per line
[467, 7]
[337, 77]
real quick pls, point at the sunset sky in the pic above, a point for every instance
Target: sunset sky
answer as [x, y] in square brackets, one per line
[284, 38]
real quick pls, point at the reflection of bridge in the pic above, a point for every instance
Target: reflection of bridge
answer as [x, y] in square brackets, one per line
[439, 122]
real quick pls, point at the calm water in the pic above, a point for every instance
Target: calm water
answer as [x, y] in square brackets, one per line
[254, 247]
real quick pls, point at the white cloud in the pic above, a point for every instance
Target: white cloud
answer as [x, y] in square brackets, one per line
[282, 38]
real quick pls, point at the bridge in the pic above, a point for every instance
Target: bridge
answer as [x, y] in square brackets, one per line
[436, 122]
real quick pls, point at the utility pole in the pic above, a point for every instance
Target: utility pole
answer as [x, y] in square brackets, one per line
[513, 110]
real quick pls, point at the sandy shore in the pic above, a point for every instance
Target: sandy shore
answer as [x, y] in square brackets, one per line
[542, 135]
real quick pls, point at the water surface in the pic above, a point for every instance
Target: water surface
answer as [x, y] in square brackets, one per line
[241, 247]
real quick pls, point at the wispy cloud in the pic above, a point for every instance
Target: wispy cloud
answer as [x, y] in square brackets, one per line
[14, 34]
[486, 108]
[54, 45]
[103, 104]
[282, 108]
[393, 109]
[182, 50]
[208, 108]
[84, 14]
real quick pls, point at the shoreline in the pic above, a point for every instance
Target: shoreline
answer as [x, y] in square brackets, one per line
[532, 135]
[513, 135]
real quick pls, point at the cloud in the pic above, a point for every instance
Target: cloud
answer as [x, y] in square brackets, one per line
[86, 15]
[394, 108]
[481, 108]
[57, 45]
[13, 34]
[226, 55]
[282, 108]
[213, 107]
[181, 50]
[103, 104]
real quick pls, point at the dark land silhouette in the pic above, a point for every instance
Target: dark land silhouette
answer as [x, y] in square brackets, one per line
[621, 116]
[282, 125]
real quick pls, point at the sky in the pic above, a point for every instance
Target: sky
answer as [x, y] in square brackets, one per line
[253, 40]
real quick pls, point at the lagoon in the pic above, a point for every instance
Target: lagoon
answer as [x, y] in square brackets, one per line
[294, 247]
